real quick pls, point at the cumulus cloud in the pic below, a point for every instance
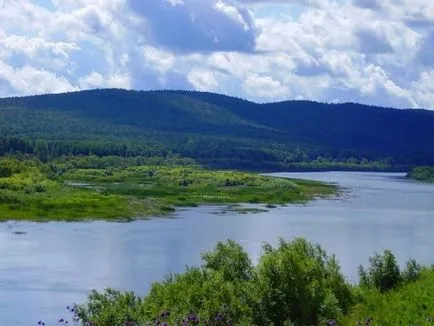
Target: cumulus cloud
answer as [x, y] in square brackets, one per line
[191, 25]
[370, 51]
[265, 87]
[28, 80]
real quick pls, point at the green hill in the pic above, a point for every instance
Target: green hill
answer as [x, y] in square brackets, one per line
[217, 130]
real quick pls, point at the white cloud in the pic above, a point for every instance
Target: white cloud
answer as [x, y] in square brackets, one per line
[93, 80]
[232, 12]
[265, 87]
[158, 59]
[375, 52]
[424, 89]
[28, 80]
[202, 79]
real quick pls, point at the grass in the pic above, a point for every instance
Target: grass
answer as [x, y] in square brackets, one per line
[193, 186]
[29, 191]
[411, 304]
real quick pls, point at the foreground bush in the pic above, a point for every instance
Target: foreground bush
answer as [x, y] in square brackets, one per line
[299, 283]
[296, 283]
[409, 304]
[384, 274]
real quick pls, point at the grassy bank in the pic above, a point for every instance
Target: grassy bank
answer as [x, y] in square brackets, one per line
[82, 188]
[425, 173]
[411, 304]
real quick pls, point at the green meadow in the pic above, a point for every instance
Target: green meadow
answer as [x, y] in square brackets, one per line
[77, 188]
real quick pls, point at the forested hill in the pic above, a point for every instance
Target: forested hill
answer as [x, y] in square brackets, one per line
[215, 129]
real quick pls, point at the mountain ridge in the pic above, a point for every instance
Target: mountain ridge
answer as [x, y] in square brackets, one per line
[209, 126]
[222, 95]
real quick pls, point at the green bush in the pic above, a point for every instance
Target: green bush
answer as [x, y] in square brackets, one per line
[299, 283]
[412, 271]
[112, 308]
[409, 304]
[40, 187]
[294, 284]
[383, 273]
[8, 167]
[230, 260]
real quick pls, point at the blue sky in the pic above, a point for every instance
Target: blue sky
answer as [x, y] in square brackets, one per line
[370, 51]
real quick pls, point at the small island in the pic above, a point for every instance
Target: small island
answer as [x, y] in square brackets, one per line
[75, 188]
[424, 173]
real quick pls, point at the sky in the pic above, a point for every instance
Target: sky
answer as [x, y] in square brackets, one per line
[378, 52]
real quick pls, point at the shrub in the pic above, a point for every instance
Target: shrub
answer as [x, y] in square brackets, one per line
[29, 189]
[231, 260]
[299, 283]
[111, 308]
[8, 167]
[412, 271]
[384, 274]
[221, 288]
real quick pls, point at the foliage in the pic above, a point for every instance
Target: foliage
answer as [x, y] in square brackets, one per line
[10, 166]
[230, 260]
[384, 274]
[299, 283]
[425, 173]
[112, 308]
[71, 188]
[294, 284]
[411, 272]
[409, 304]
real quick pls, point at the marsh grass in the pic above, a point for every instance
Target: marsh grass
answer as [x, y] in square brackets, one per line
[29, 191]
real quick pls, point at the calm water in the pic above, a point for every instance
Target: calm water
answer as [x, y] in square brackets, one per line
[55, 264]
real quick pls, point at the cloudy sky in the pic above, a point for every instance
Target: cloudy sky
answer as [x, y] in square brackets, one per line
[369, 51]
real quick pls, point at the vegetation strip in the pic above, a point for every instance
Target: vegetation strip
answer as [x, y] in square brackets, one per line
[424, 173]
[74, 188]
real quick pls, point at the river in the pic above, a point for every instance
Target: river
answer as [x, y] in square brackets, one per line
[44, 267]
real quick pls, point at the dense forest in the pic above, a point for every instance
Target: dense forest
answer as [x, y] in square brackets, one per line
[217, 130]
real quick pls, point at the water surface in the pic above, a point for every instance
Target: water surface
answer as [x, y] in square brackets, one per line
[44, 267]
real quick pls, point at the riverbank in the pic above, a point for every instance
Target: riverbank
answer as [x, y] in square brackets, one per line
[79, 189]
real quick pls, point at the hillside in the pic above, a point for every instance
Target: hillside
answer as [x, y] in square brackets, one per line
[215, 129]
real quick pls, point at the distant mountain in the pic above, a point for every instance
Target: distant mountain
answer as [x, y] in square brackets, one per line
[215, 129]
